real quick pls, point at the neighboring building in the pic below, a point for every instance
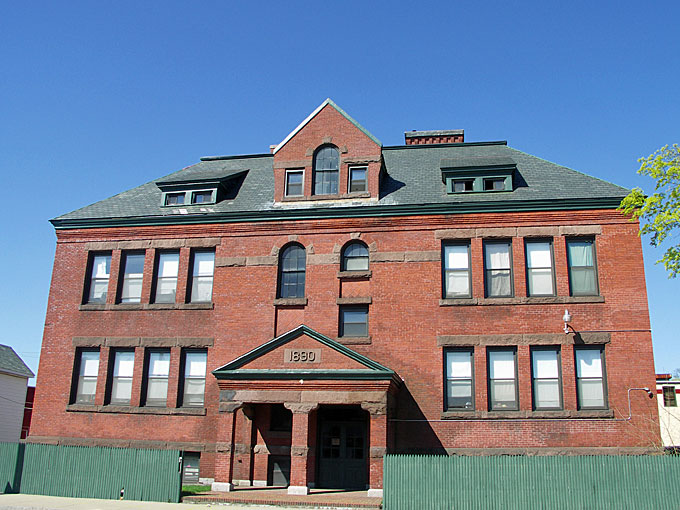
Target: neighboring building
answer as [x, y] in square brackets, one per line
[667, 390]
[28, 412]
[288, 318]
[14, 376]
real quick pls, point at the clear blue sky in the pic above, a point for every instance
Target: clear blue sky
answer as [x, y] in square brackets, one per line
[99, 97]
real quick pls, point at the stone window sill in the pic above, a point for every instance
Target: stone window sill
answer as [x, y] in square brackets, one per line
[550, 300]
[147, 306]
[354, 275]
[290, 301]
[354, 340]
[515, 415]
[84, 408]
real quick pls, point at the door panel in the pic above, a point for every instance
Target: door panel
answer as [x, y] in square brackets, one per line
[342, 455]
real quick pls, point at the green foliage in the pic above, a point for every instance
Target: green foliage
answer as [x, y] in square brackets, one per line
[192, 490]
[659, 213]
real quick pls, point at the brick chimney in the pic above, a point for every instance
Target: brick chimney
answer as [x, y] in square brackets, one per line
[433, 137]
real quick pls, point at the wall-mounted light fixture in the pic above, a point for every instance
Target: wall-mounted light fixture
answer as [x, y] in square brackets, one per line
[566, 319]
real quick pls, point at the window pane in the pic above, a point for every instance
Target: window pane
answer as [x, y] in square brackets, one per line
[201, 289]
[498, 283]
[89, 363]
[580, 253]
[459, 394]
[503, 395]
[458, 284]
[168, 265]
[357, 180]
[134, 265]
[165, 290]
[194, 390]
[588, 363]
[546, 393]
[545, 365]
[501, 364]
[157, 391]
[124, 364]
[87, 386]
[540, 282]
[591, 393]
[456, 256]
[159, 364]
[583, 280]
[195, 364]
[101, 266]
[459, 364]
[538, 255]
[354, 322]
[98, 291]
[132, 290]
[121, 390]
[356, 264]
[497, 256]
[204, 263]
[201, 197]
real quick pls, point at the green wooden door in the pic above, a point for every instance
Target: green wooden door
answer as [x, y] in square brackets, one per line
[342, 455]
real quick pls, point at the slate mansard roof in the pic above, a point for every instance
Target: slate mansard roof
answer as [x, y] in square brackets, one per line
[412, 185]
[11, 363]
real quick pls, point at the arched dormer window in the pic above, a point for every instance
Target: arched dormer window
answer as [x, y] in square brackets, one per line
[326, 170]
[355, 257]
[292, 272]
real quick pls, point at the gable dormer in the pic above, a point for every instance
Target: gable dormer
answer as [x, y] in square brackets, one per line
[328, 157]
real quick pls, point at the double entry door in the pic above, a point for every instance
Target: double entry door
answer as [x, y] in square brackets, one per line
[342, 454]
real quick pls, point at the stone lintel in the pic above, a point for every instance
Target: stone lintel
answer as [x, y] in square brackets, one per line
[580, 230]
[524, 339]
[230, 407]
[299, 451]
[455, 233]
[375, 409]
[167, 243]
[354, 300]
[134, 245]
[422, 256]
[122, 342]
[354, 235]
[376, 398]
[566, 414]
[538, 231]
[323, 259]
[386, 256]
[88, 341]
[203, 242]
[195, 342]
[377, 452]
[262, 260]
[301, 407]
[268, 396]
[102, 245]
[230, 261]
[496, 232]
[158, 342]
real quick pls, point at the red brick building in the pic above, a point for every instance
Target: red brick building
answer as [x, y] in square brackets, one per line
[290, 317]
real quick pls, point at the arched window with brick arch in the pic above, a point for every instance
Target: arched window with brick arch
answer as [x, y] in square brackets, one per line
[354, 257]
[326, 170]
[292, 261]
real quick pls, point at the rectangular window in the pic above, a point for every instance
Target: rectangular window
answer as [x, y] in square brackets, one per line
[167, 269]
[294, 182]
[87, 370]
[669, 399]
[461, 186]
[202, 197]
[459, 379]
[582, 268]
[495, 184]
[540, 275]
[133, 273]
[202, 269]
[357, 179]
[98, 281]
[546, 378]
[498, 269]
[194, 369]
[457, 271]
[121, 382]
[157, 371]
[502, 379]
[354, 321]
[590, 377]
[174, 198]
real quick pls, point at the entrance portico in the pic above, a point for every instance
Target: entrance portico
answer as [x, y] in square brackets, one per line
[338, 400]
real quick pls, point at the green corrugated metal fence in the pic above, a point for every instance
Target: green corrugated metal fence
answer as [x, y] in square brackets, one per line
[11, 464]
[519, 482]
[93, 472]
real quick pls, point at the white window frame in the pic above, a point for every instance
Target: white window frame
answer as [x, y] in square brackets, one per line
[116, 380]
[451, 378]
[446, 270]
[188, 378]
[156, 375]
[302, 185]
[530, 270]
[514, 404]
[349, 178]
[537, 378]
[87, 373]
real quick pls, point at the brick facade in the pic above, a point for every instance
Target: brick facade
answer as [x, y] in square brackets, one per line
[410, 326]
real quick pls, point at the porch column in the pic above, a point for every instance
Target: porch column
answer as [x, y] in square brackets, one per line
[299, 448]
[377, 446]
[226, 435]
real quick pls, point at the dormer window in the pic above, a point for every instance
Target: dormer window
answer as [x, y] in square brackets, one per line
[495, 184]
[294, 181]
[326, 170]
[357, 179]
[174, 198]
[203, 197]
[461, 186]
[478, 174]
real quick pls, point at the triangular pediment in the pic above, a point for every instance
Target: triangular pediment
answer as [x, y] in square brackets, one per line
[327, 102]
[305, 354]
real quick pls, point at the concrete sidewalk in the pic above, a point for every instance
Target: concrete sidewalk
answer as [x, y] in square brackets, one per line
[31, 502]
